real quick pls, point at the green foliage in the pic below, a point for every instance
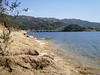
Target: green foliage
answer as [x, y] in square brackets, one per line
[8, 7]
[27, 22]
[81, 22]
[74, 27]
[52, 23]
[3, 17]
[6, 36]
[17, 25]
[39, 23]
[6, 40]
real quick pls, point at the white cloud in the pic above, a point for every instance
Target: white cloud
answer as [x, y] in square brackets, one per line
[30, 11]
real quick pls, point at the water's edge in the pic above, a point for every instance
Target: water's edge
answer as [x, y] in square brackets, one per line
[72, 58]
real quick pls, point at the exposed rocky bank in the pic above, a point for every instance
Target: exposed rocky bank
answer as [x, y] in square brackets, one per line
[28, 55]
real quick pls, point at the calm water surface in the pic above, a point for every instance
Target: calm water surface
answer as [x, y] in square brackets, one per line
[83, 47]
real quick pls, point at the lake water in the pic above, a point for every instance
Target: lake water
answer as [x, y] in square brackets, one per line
[81, 47]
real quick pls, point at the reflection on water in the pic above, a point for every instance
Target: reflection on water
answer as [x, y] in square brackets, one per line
[82, 46]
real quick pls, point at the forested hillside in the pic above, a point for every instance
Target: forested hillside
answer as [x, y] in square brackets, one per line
[39, 23]
[74, 27]
[28, 22]
[81, 22]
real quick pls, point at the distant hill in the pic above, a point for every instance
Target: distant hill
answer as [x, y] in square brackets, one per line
[29, 22]
[81, 22]
[74, 28]
[73, 21]
[40, 23]
[52, 23]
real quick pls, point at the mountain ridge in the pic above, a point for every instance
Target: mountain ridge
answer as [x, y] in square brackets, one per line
[70, 21]
[40, 23]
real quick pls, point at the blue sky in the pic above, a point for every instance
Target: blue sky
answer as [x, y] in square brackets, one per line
[79, 9]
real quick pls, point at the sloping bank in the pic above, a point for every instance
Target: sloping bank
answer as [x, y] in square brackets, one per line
[28, 55]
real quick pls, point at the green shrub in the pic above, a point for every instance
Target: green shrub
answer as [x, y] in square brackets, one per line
[6, 40]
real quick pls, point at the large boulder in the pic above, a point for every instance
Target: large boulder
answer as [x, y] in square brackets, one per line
[24, 51]
[32, 52]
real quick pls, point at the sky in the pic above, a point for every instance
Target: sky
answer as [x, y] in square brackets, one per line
[77, 9]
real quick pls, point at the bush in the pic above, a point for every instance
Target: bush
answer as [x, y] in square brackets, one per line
[5, 40]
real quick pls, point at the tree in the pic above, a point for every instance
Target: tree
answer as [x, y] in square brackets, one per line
[74, 27]
[8, 7]
[6, 41]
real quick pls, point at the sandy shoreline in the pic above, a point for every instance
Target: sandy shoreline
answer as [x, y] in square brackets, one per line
[78, 64]
[31, 56]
